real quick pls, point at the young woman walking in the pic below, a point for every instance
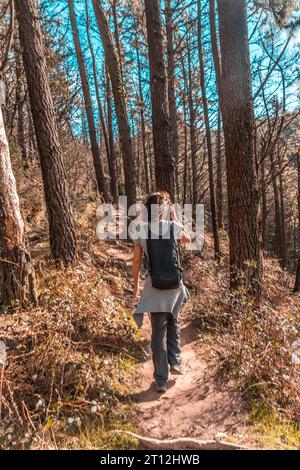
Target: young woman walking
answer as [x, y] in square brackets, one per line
[164, 293]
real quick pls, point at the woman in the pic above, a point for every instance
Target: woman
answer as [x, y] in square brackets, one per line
[164, 305]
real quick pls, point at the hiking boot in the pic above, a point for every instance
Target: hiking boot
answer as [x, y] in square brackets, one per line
[160, 388]
[176, 369]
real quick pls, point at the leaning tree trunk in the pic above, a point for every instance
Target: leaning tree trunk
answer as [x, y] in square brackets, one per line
[61, 225]
[113, 65]
[213, 206]
[17, 280]
[100, 176]
[239, 133]
[164, 162]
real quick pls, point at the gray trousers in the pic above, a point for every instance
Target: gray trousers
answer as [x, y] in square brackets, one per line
[165, 344]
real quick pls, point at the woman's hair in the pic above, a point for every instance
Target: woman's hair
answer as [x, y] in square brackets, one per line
[156, 198]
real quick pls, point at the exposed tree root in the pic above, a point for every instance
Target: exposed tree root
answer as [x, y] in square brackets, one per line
[182, 443]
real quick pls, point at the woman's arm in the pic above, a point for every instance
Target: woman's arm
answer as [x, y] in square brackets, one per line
[136, 267]
[184, 237]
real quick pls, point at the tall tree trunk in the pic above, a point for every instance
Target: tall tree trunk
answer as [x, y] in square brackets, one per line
[61, 225]
[297, 280]
[120, 101]
[20, 101]
[113, 154]
[282, 221]
[171, 88]
[186, 154]
[142, 113]
[264, 228]
[219, 188]
[193, 141]
[31, 132]
[239, 132]
[208, 141]
[277, 210]
[111, 162]
[101, 179]
[164, 162]
[17, 279]
[215, 48]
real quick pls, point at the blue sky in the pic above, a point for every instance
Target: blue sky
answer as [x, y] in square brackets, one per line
[273, 85]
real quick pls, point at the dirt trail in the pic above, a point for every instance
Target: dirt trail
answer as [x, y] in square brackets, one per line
[197, 404]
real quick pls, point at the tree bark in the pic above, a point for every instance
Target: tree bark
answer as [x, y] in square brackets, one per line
[100, 176]
[213, 207]
[120, 101]
[61, 225]
[17, 278]
[164, 162]
[239, 132]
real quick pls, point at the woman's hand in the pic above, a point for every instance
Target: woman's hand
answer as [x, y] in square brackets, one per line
[173, 215]
[137, 292]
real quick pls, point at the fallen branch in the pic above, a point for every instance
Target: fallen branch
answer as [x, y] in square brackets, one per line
[181, 443]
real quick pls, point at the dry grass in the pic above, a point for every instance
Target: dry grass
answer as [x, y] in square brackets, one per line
[68, 360]
[253, 348]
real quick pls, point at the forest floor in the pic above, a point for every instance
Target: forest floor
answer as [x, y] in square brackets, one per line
[90, 370]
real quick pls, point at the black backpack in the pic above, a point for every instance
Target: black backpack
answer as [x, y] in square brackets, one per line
[163, 260]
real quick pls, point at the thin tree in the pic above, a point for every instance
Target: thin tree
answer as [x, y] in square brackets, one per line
[171, 86]
[164, 162]
[239, 133]
[213, 207]
[192, 126]
[20, 102]
[112, 164]
[115, 74]
[297, 280]
[61, 225]
[100, 176]
[219, 182]
[142, 113]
